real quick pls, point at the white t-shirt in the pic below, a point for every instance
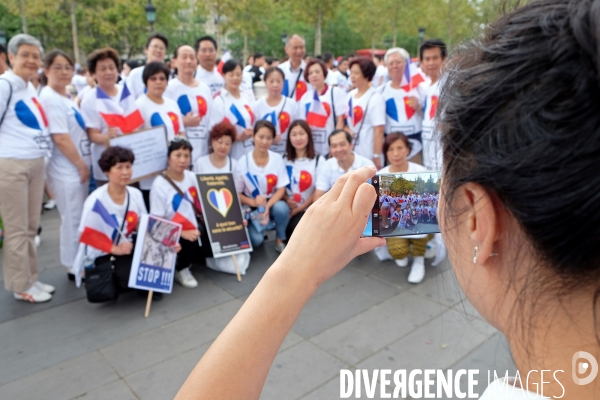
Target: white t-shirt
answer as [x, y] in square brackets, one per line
[64, 118]
[24, 132]
[93, 119]
[294, 84]
[197, 100]
[364, 136]
[203, 165]
[399, 116]
[332, 171]
[136, 209]
[79, 81]
[84, 92]
[412, 167]
[303, 174]
[332, 100]
[239, 113]
[212, 79]
[342, 81]
[252, 180]
[282, 115]
[165, 201]
[432, 147]
[166, 114]
[381, 73]
[503, 389]
[135, 82]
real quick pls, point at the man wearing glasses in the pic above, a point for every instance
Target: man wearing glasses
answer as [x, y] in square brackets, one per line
[156, 50]
[206, 52]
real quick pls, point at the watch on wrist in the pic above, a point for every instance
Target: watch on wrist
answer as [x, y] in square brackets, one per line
[377, 156]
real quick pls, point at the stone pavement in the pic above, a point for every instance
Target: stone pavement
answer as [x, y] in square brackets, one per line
[365, 317]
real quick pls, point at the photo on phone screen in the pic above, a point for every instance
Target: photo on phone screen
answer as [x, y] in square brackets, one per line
[406, 204]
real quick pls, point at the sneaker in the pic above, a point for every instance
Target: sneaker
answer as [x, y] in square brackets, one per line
[33, 295]
[185, 278]
[402, 262]
[37, 241]
[417, 271]
[50, 204]
[279, 247]
[431, 250]
[44, 287]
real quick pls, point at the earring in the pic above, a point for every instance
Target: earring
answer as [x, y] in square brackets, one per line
[475, 249]
[492, 254]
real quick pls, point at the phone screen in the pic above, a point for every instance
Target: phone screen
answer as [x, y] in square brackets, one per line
[406, 204]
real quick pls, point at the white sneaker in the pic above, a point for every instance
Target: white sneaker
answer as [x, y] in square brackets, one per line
[402, 262]
[417, 271]
[44, 287]
[33, 295]
[280, 247]
[185, 278]
[37, 241]
[50, 204]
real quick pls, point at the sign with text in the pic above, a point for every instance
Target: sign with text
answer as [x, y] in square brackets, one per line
[223, 215]
[150, 147]
[153, 265]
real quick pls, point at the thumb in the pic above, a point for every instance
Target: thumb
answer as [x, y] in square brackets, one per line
[366, 244]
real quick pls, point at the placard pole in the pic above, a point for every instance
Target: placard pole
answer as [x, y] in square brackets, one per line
[148, 304]
[237, 270]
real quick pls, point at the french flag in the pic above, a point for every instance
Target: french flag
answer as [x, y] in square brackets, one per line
[110, 110]
[226, 57]
[411, 77]
[184, 213]
[123, 115]
[316, 115]
[240, 120]
[99, 229]
[132, 116]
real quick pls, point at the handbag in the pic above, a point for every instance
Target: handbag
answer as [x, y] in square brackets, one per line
[100, 279]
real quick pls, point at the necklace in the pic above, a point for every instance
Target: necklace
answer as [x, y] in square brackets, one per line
[263, 162]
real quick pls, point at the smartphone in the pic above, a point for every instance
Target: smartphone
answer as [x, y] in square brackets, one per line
[406, 204]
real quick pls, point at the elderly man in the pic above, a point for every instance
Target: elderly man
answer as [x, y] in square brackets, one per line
[294, 86]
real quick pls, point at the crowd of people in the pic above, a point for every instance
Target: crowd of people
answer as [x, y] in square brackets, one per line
[321, 118]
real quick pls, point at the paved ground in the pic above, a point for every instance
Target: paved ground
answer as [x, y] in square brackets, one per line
[367, 316]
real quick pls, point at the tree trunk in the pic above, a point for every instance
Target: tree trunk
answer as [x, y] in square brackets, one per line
[23, 19]
[245, 51]
[75, 37]
[318, 31]
[449, 44]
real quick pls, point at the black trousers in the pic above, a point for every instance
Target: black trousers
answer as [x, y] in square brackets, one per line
[122, 270]
[192, 252]
[294, 221]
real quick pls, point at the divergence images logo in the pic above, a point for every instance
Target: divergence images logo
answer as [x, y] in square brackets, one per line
[582, 367]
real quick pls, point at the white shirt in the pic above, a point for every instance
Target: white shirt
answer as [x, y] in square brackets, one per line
[432, 147]
[281, 115]
[252, 180]
[303, 174]
[333, 101]
[381, 73]
[84, 92]
[412, 167]
[399, 116]
[503, 389]
[79, 81]
[64, 118]
[93, 119]
[342, 81]
[212, 79]
[369, 108]
[135, 82]
[203, 165]
[24, 131]
[197, 100]
[239, 113]
[165, 201]
[136, 209]
[294, 84]
[332, 171]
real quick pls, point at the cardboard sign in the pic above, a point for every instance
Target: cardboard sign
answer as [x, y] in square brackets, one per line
[153, 266]
[223, 215]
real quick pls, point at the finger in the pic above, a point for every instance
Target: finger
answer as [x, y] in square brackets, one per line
[364, 245]
[355, 179]
[364, 200]
[334, 193]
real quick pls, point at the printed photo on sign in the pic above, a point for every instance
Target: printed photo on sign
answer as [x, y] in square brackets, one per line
[154, 256]
[223, 215]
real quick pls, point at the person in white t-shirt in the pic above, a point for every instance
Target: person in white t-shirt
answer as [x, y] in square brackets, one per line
[79, 80]
[24, 143]
[276, 108]
[260, 179]
[103, 64]
[194, 100]
[68, 170]
[381, 73]
[218, 160]
[235, 107]
[304, 165]
[365, 112]
[157, 45]
[344, 160]
[342, 75]
[157, 110]
[295, 85]
[175, 196]
[207, 73]
[332, 100]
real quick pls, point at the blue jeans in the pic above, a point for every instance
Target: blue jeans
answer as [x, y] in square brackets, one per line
[279, 216]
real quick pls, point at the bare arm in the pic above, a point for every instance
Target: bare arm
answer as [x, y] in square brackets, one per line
[65, 144]
[378, 144]
[278, 195]
[251, 340]
[100, 138]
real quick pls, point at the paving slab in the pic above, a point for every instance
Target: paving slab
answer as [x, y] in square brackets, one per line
[117, 390]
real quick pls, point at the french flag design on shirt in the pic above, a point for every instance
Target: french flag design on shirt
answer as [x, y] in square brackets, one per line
[184, 211]
[391, 109]
[28, 117]
[255, 184]
[300, 185]
[100, 228]
[238, 117]
[354, 115]
[283, 123]
[316, 114]
[123, 115]
[185, 105]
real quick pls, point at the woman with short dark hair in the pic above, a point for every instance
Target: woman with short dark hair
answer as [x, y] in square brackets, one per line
[222, 136]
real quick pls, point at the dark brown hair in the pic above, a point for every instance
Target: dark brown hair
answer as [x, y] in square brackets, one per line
[312, 62]
[263, 123]
[103, 54]
[50, 57]
[290, 151]
[271, 70]
[390, 139]
[366, 65]
[114, 155]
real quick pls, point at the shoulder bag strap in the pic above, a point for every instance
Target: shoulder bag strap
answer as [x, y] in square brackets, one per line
[196, 210]
[8, 101]
[361, 123]
[297, 80]
[333, 110]
[124, 218]
[280, 111]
